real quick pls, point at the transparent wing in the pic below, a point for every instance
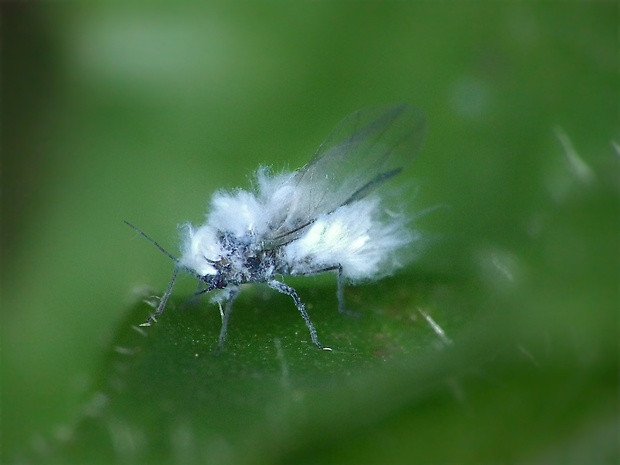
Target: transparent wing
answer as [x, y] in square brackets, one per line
[365, 150]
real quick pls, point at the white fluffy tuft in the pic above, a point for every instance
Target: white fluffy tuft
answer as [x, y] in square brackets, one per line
[239, 213]
[200, 245]
[360, 237]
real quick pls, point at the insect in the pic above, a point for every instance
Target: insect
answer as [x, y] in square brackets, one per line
[326, 216]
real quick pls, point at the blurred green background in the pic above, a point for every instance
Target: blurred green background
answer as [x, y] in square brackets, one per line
[140, 111]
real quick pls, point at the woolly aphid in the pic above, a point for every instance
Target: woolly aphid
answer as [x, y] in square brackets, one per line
[326, 216]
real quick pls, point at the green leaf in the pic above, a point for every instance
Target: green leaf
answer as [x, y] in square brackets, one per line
[513, 375]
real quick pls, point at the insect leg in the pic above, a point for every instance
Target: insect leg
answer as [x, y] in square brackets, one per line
[162, 304]
[342, 308]
[339, 290]
[225, 316]
[340, 293]
[285, 289]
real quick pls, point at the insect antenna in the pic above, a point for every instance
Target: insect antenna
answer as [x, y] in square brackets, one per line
[155, 243]
[162, 303]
